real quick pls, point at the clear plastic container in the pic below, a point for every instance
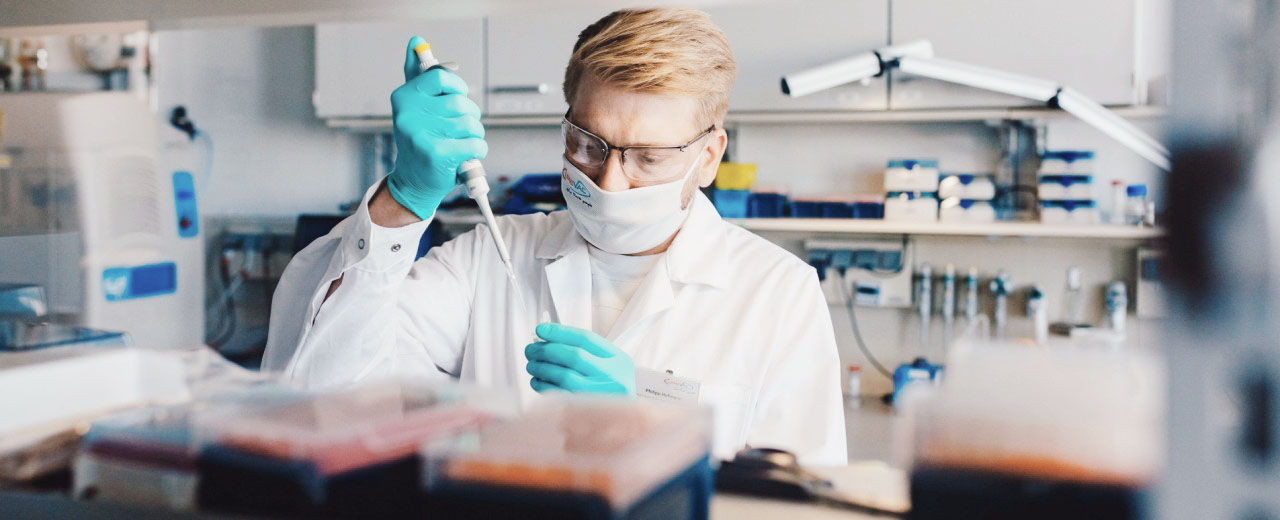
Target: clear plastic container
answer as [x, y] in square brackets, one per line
[911, 206]
[341, 431]
[967, 186]
[1135, 208]
[911, 175]
[1099, 418]
[616, 449]
[1067, 162]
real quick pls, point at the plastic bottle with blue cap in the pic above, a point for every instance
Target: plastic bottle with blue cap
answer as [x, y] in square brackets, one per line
[1136, 206]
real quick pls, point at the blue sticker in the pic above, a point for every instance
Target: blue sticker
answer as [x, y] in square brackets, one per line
[184, 201]
[126, 283]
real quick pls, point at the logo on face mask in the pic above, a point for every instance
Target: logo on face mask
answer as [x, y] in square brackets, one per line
[580, 190]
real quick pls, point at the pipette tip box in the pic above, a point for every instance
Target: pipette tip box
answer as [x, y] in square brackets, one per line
[348, 453]
[577, 458]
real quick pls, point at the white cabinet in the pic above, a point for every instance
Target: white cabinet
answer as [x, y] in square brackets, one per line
[1088, 45]
[359, 64]
[528, 54]
[774, 39]
[527, 57]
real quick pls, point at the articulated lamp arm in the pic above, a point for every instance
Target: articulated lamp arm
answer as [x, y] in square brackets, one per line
[917, 58]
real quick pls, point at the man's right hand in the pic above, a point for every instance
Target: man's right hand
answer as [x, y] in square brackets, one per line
[437, 127]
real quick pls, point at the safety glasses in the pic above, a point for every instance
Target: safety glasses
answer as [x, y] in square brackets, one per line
[643, 164]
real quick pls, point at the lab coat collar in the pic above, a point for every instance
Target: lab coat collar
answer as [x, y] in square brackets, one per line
[697, 255]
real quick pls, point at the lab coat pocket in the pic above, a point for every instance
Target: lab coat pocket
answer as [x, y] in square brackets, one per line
[730, 406]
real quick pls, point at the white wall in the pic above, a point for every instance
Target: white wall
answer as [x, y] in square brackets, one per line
[250, 91]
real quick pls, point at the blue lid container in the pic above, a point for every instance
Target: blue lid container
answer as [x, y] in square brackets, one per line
[913, 163]
[1068, 156]
[766, 205]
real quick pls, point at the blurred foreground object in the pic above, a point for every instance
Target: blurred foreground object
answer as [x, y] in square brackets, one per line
[1028, 432]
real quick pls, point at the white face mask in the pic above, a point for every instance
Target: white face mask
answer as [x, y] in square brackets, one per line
[627, 221]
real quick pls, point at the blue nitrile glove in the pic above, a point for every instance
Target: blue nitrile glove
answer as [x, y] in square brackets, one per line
[576, 360]
[436, 128]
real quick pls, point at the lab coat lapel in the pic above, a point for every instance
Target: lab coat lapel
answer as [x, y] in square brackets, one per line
[653, 296]
[696, 256]
[569, 282]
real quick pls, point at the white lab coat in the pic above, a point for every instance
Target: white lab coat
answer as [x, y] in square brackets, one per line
[725, 307]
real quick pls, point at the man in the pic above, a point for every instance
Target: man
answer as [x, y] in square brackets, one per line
[638, 289]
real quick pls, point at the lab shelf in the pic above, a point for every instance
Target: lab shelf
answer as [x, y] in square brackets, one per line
[467, 218]
[994, 229]
[807, 117]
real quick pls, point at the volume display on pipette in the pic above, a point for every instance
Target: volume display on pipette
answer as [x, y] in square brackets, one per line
[472, 173]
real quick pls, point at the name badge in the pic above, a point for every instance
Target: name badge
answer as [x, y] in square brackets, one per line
[661, 386]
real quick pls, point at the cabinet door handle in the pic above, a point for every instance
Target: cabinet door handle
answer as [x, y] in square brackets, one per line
[540, 88]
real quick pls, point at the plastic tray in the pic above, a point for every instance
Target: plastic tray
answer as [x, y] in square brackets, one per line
[616, 449]
[338, 432]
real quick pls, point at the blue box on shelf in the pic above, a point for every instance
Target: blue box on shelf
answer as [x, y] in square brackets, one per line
[806, 209]
[766, 205]
[868, 209]
[732, 203]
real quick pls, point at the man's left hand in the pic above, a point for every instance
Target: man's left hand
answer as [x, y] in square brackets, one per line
[576, 360]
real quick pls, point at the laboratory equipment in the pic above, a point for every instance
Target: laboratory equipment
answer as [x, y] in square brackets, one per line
[1119, 199]
[1073, 305]
[1069, 212]
[535, 192]
[771, 203]
[775, 473]
[732, 189]
[343, 453]
[1066, 187]
[966, 210]
[61, 388]
[22, 300]
[106, 226]
[924, 303]
[577, 457]
[853, 384]
[837, 206]
[948, 304]
[1002, 439]
[1117, 303]
[473, 175]
[1000, 287]
[732, 203]
[971, 297]
[966, 186]
[916, 58]
[877, 269]
[918, 371]
[1066, 162]
[1135, 206]
[735, 176]
[911, 206]
[911, 175]
[1039, 314]
[1150, 290]
[17, 335]
[146, 456]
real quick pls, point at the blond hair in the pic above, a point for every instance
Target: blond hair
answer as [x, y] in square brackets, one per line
[668, 51]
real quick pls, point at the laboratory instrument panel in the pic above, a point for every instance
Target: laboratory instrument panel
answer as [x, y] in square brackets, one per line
[108, 229]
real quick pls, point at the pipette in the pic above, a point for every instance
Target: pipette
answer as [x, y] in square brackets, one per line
[924, 304]
[948, 303]
[1000, 288]
[472, 173]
